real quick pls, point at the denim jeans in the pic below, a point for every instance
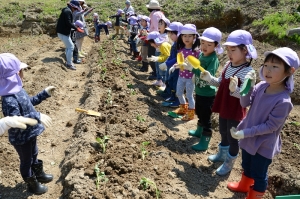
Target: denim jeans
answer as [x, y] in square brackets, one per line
[69, 47]
[28, 156]
[133, 45]
[256, 167]
[97, 30]
[161, 75]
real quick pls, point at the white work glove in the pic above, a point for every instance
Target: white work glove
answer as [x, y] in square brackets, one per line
[152, 59]
[187, 66]
[206, 76]
[50, 90]
[163, 66]
[233, 84]
[251, 75]
[46, 120]
[172, 69]
[138, 40]
[237, 134]
[15, 122]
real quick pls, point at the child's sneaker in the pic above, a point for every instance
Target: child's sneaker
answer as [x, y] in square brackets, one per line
[84, 53]
[70, 67]
[158, 83]
[80, 55]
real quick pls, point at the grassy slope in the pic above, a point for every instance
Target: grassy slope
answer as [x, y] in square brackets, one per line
[185, 11]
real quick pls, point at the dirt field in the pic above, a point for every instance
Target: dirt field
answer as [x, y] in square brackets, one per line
[110, 82]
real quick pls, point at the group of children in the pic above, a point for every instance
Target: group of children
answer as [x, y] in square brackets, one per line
[256, 132]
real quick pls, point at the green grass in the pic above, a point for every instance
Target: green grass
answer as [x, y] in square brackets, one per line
[278, 23]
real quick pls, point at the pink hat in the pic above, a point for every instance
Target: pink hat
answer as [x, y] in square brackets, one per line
[290, 57]
[239, 37]
[79, 24]
[211, 35]
[153, 35]
[10, 81]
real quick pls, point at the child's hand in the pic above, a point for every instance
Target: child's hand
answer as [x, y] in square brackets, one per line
[172, 69]
[46, 120]
[187, 66]
[233, 84]
[152, 59]
[206, 76]
[251, 75]
[237, 134]
[50, 90]
[163, 67]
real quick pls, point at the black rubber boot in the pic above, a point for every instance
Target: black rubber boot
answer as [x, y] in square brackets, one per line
[153, 74]
[144, 67]
[35, 187]
[38, 171]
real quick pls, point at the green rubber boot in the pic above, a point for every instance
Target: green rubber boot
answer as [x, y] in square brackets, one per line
[203, 144]
[197, 132]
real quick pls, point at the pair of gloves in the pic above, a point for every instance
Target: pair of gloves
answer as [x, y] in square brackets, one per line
[152, 59]
[20, 122]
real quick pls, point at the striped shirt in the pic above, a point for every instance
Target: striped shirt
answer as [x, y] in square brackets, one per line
[229, 73]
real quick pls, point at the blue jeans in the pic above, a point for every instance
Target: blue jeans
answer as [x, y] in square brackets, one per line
[256, 167]
[69, 46]
[161, 75]
[133, 45]
[97, 30]
[28, 156]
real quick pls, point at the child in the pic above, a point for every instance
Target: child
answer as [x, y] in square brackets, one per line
[144, 22]
[16, 102]
[163, 23]
[79, 36]
[205, 94]
[118, 26]
[227, 104]
[105, 26]
[259, 132]
[188, 43]
[96, 21]
[171, 79]
[161, 44]
[134, 31]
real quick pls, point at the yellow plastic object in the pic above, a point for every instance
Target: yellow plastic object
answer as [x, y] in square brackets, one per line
[180, 60]
[195, 62]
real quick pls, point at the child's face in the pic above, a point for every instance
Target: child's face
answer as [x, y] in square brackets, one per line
[207, 47]
[21, 74]
[173, 36]
[188, 40]
[161, 27]
[143, 23]
[236, 55]
[273, 71]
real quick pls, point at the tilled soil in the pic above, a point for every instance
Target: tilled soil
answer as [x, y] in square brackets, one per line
[110, 82]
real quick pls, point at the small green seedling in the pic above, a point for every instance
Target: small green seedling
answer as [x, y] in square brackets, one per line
[129, 85]
[100, 176]
[123, 76]
[103, 142]
[146, 182]
[132, 91]
[109, 99]
[140, 118]
[143, 149]
[295, 123]
[297, 145]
